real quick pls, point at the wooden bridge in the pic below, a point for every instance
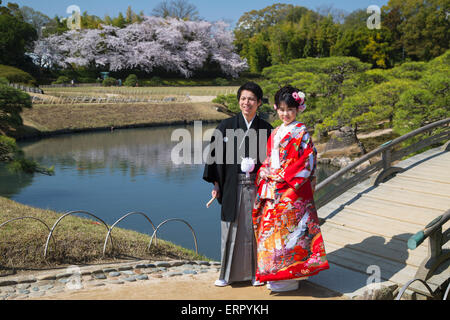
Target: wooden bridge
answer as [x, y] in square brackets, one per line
[368, 219]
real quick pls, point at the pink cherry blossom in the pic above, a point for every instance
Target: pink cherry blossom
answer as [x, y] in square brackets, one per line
[171, 44]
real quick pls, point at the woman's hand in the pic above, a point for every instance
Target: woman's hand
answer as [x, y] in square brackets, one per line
[278, 179]
[264, 173]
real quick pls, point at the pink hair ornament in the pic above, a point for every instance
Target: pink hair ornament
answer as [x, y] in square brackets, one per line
[300, 98]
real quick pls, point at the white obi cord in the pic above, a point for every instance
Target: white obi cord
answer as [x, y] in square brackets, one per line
[281, 133]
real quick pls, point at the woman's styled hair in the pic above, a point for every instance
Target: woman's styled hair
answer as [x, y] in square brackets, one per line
[253, 87]
[291, 96]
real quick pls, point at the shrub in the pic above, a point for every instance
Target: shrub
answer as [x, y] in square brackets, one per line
[4, 81]
[62, 80]
[15, 75]
[229, 100]
[13, 101]
[131, 81]
[266, 108]
[108, 82]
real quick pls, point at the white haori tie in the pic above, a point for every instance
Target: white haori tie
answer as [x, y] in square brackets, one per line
[281, 133]
[248, 124]
[247, 166]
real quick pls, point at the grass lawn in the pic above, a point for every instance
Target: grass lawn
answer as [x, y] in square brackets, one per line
[78, 241]
[78, 117]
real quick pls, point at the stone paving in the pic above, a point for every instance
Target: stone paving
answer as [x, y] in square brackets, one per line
[47, 283]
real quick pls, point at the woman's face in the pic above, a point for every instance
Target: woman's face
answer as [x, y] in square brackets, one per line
[286, 114]
[249, 104]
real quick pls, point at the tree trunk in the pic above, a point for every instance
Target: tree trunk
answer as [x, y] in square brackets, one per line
[360, 144]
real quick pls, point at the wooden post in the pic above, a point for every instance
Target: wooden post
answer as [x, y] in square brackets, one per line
[386, 158]
[436, 255]
[446, 146]
[435, 243]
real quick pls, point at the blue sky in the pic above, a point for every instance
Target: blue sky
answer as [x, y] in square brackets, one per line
[227, 10]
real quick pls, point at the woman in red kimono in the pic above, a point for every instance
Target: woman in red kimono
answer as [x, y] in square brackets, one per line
[289, 242]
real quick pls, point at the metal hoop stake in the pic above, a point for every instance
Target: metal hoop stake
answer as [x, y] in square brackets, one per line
[446, 292]
[174, 219]
[37, 219]
[120, 219]
[400, 294]
[62, 217]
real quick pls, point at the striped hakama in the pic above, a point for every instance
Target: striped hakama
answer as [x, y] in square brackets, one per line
[238, 245]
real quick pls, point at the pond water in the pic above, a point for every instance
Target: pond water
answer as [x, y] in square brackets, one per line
[110, 174]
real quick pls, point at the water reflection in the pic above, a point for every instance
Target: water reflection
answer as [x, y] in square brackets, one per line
[133, 152]
[112, 173]
[11, 184]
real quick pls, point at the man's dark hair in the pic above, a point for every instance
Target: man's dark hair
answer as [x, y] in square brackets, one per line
[253, 87]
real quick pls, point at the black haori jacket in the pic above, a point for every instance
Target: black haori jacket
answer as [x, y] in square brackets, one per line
[225, 173]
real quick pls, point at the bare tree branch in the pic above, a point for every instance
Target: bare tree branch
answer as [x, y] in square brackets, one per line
[180, 9]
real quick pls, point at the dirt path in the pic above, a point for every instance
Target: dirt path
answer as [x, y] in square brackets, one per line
[202, 98]
[375, 133]
[191, 287]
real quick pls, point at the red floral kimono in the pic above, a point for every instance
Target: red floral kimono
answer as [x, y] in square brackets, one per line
[289, 241]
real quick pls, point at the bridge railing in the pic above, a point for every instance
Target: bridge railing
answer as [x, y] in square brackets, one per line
[437, 255]
[389, 152]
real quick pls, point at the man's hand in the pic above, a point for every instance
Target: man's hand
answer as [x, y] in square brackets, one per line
[215, 193]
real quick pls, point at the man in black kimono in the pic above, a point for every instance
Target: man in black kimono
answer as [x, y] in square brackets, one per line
[243, 136]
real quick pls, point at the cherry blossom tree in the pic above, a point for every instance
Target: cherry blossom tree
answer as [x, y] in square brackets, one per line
[170, 44]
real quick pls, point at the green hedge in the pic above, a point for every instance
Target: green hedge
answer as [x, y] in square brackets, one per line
[108, 82]
[131, 81]
[221, 82]
[86, 80]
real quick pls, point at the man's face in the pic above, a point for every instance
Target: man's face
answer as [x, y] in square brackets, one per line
[249, 104]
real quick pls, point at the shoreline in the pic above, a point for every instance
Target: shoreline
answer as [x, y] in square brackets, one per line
[36, 135]
[51, 120]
